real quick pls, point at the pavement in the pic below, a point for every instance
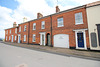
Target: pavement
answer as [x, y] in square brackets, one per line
[12, 56]
[93, 55]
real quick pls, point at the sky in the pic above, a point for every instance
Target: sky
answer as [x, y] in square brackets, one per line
[15, 10]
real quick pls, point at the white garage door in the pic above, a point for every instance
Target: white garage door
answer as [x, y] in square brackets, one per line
[61, 40]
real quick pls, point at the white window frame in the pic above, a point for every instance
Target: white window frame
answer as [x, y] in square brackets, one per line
[60, 22]
[33, 38]
[10, 31]
[78, 18]
[43, 25]
[6, 37]
[24, 38]
[24, 27]
[15, 38]
[34, 24]
[9, 38]
[15, 30]
[20, 29]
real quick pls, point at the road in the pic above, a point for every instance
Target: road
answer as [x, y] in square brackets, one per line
[12, 56]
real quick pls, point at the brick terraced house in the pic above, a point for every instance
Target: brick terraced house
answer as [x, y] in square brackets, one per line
[66, 29]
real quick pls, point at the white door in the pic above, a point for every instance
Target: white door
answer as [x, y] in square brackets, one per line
[19, 37]
[12, 39]
[61, 40]
[42, 38]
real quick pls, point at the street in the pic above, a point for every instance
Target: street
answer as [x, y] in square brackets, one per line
[11, 56]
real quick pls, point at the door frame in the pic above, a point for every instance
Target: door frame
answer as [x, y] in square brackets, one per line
[12, 39]
[42, 33]
[18, 38]
[84, 35]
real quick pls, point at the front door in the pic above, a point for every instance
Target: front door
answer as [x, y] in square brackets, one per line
[42, 39]
[80, 39]
[12, 39]
[19, 39]
[48, 39]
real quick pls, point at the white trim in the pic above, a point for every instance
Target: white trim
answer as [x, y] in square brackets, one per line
[33, 38]
[12, 38]
[41, 37]
[18, 37]
[84, 35]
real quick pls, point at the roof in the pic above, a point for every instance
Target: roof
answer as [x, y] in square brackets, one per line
[93, 4]
[83, 6]
[11, 28]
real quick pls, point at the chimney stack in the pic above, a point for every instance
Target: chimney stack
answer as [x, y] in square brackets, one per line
[14, 24]
[24, 19]
[39, 15]
[57, 9]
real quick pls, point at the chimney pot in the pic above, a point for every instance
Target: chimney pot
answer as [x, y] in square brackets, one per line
[24, 19]
[57, 9]
[14, 24]
[39, 15]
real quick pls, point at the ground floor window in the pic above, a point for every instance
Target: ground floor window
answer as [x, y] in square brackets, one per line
[15, 38]
[24, 37]
[34, 37]
[9, 37]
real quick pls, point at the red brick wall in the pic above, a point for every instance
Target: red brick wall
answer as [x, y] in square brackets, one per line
[12, 33]
[69, 25]
[22, 33]
[38, 29]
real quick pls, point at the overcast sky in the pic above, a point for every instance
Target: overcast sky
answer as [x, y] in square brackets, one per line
[16, 10]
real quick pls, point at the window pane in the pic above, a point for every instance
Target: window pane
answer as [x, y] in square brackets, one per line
[78, 18]
[60, 22]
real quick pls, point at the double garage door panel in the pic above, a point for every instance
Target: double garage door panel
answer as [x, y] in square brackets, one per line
[61, 40]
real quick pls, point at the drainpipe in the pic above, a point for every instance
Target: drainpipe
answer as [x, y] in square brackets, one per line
[28, 32]
[51, 30]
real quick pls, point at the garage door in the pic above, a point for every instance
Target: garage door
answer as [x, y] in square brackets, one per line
[61, 40]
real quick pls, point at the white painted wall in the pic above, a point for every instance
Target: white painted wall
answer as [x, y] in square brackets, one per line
[93, 18]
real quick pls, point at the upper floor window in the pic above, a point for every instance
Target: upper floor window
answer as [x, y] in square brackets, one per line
[60, 22]
[43, 25]
[34, 26]
[25, 28]
[20, 29]
[78, 18]
[10, 31]
[24, 37]
[15, 30]
[34, 37]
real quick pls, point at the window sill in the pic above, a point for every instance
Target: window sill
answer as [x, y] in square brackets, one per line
[79, 23]
[60, 26]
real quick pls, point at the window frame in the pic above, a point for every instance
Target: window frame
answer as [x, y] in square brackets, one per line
[24, 38]
[24, 27]
[15, 38]
[10, 31]
[9, 38]
[33, 38]
[43, 23]
[15, 30]
[78, 20]
[34, 24]
[20, 29]
[59, 22]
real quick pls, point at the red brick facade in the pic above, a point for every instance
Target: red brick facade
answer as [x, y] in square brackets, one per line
[51, 27]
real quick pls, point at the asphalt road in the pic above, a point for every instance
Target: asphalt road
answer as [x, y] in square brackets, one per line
[12, 56]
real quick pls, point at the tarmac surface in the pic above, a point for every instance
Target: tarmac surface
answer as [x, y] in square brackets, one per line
[12, 56]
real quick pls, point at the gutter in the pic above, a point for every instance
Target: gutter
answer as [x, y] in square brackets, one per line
[28, 32]
[51, 30]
